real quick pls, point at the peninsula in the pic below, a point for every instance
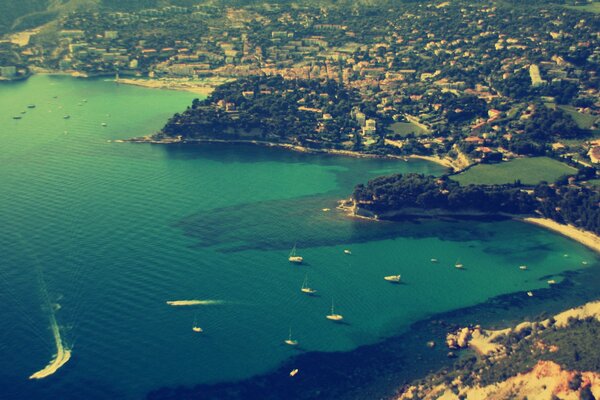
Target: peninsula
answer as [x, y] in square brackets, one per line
[569, 209]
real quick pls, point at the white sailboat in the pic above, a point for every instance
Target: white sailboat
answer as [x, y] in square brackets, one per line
[333, 316]
[290, 341]
[305, 288]
[393, 278]
[293, 258]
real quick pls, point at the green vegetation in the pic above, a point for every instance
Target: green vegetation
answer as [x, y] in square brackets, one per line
[561, 202]
[593, 7]
[406, 128]
[593, 182]
[575, 349]
[584, 121]
[397, 192]
[309, 113]
[528, 171]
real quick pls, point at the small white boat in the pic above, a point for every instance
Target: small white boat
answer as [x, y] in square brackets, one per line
[294, 372]
[293, 258]
[347, 252]
[393, 278]
[459, 265]
[66, 116]
[289, 341]
[523, 267]
[551, 282]
[333, 316]
[584, 262]
[305, 288]
[530, 294]
[103, 124]
[195, 327]
[326, 209]
[434, 260]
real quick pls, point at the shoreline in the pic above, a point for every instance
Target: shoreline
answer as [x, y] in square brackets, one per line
[586, 238]
[287, 146]
[581, 236]
[204, 89]
[438, 160]
[395, 362]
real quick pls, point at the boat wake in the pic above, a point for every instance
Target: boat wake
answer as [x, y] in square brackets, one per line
[176, 303]
[63, 353]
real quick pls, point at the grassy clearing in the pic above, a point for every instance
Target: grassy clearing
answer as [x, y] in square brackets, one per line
[529, 171]
[593, 7]
[405, 128]
[593, 183]
[584, 121]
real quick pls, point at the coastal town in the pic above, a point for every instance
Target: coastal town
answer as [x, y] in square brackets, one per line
[450, 80]
[503, 96]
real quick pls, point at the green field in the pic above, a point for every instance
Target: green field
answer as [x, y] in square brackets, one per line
[584, 121]
[404, 128]
[593, 183]
[593, 7]
[529, 171]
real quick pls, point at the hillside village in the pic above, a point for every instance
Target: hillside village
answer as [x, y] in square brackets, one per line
[449, 79]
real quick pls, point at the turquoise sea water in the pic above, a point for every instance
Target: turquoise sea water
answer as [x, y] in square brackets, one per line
[115, 230]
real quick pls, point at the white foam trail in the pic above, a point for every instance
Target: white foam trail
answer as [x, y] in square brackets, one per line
[63, 354]
[194, 302]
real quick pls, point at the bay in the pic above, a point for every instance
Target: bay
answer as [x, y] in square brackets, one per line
[111, 231]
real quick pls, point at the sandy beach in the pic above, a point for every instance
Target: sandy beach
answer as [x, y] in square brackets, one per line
[586, 238]
[204, 88]
[438, 160]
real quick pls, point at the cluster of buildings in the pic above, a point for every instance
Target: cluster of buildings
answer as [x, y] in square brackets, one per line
[409, 59]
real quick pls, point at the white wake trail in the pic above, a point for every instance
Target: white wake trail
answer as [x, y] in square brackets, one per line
[194, 302]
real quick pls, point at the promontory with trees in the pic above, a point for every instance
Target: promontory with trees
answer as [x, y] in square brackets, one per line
[308, 113]
[409, 194]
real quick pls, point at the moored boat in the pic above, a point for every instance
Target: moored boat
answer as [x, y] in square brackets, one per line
[289, 341]
[393, 278]
[332, 316]
[294, 258]
[305, 288]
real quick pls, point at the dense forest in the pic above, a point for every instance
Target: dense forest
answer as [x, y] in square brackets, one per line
[308, 112]
[562, 203]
